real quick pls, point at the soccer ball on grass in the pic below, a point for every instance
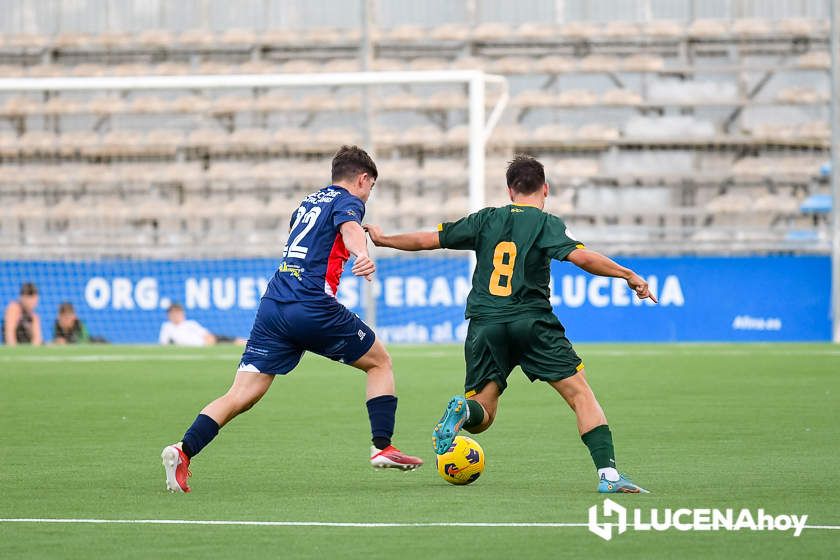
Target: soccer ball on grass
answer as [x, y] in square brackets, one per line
[462, 463]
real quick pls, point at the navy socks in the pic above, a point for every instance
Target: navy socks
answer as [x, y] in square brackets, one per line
[381, 411]
[202, 432]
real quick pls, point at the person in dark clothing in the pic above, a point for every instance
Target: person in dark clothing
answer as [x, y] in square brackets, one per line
[21, 324]
[68, 329]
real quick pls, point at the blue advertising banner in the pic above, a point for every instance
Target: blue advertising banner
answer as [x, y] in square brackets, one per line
[421, 299]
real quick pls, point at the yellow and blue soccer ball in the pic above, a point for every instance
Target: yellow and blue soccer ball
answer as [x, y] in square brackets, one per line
[462, 463]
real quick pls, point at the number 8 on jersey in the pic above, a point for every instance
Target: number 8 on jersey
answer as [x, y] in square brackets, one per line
[504, 259]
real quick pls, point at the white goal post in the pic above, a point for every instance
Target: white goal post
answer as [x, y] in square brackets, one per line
[475, 80]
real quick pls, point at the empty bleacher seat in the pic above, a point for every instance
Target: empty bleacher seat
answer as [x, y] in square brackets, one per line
[553, 132]
[579, 30]
[193, 38]
[642, 63]
[342, 65]
[78, 141]
[536, 31]
[208, 138]
[148, 104]
[405, 33]
[814, 60]
[535, 98]
[798, 27]
[279, 37]
[598, 132]
[397, 102]
[554, 64]
[421, 135]
[47, 71]
[492, 31]
[60, 106]
[171, 69]
[275, 100]
[388, 64]
[20, 105]
[450, 32]
[599, 63]
[801, 95]
[468, 63]
[575, 98]
[155, 38]
[106, 105]
[750, 28]
[230, 104]
[238, 37]
[511, 65]
[129, 69]
[27, 41]
[70, 40]
[708, 28]
[38, 141]
[189, 104]
[621, 30]
[817, 130]
[621, 97]
[428, 63]
[663, 29]
[445, 99]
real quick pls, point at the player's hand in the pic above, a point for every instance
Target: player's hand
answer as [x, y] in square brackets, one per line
[638, 285]
[375, 233]
[364, 267]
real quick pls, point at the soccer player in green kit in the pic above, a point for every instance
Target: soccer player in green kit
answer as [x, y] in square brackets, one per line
[511, 319]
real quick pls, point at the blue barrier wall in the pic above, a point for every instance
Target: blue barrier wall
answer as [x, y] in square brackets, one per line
[421, 299]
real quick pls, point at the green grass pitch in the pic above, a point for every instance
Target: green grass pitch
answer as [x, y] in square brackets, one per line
[713, 426]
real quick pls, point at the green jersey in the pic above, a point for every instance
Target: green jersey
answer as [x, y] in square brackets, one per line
[513, 247]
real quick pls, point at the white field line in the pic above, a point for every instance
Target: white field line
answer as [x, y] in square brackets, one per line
[680, 351]
[548, 525]
[284, 523]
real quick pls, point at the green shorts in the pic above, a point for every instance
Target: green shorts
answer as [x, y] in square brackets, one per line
[537, 343]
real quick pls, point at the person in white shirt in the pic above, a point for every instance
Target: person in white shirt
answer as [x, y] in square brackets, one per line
[182, 332]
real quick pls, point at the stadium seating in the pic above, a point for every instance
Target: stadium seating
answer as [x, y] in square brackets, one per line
[587, 98]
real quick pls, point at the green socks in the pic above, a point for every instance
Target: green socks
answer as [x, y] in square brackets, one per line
[600, 444]
[475, 416]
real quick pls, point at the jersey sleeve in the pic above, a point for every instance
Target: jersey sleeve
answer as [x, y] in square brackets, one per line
[557, 240]
[461, 234]
[348, 208]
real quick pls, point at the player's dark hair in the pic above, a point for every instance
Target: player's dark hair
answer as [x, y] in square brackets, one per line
[525, 174]
[350, 161]
[175, 307]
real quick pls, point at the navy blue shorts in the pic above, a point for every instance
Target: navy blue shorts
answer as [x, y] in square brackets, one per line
[282, 332]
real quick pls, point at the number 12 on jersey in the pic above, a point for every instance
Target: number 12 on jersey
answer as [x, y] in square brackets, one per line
[504, 259]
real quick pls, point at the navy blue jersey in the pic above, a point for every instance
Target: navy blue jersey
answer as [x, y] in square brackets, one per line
[314, 255]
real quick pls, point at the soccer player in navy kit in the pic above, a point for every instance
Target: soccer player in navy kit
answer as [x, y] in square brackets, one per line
[299, 312]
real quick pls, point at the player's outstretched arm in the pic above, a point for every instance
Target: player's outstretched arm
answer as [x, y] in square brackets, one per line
[355, 241]
[596, 263]
[415, 241]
